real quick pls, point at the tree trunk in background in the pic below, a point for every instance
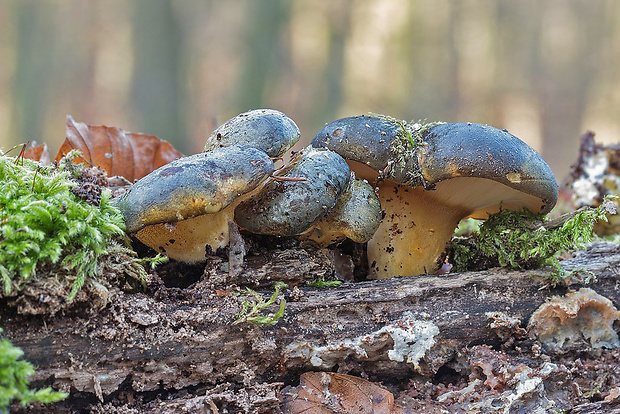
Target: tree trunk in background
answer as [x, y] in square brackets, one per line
[564, 81]
[264, 54]
[339, 30]
[431, 78]
[159, 71]
[35, 33]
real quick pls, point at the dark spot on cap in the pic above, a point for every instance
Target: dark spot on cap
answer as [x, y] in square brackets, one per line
[171, 171]
[337, 132]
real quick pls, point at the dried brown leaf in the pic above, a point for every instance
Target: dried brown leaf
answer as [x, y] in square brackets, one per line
[126, 154]
[327, 393]
[38, 153]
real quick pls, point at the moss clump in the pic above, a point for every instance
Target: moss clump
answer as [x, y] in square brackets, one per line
[254, 304]
[43, 222]
[523, 240]
[14, 379]
[405, 149]
[321, 283]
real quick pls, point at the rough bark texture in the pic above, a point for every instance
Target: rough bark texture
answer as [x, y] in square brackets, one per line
[388, 330]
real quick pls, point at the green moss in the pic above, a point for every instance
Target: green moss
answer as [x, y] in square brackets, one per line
[253, 304]
[122, 260]
[321, 283]
[14, 382]
[43, 222]
[405, 149]
[523, 240]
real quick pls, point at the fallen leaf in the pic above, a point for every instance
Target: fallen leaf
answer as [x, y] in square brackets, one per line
[127, 154]
[38, 153]
[328, 393]
[613, 395]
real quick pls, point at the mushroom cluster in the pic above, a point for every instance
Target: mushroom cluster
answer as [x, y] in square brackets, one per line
[401, 188]
[190, 207]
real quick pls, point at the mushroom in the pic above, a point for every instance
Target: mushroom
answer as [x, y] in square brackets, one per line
[430, 176]
[356, 216]
[302, 193]
[185, 207]
[267, 129]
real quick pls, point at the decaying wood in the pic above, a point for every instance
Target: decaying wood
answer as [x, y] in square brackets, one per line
[388, 329]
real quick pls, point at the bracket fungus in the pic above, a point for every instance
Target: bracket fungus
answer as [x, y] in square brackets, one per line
[186, 206]
[303, 192]
[430, 176]
[267, 129]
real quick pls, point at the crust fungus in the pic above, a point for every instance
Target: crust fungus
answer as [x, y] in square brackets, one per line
[562, 322]
[430, 176]
[186, 206]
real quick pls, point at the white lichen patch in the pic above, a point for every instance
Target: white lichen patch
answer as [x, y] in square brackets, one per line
[584, 314]
[584, 192]
[597, 179]
[525, 385]
[411, 338]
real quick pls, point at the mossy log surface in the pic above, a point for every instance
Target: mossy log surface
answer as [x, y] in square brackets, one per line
[389, 329]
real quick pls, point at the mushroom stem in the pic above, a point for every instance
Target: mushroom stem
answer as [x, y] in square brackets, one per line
[187, 240]
[413, 233]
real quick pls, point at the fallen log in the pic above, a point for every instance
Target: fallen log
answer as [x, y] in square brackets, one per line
[385, 329]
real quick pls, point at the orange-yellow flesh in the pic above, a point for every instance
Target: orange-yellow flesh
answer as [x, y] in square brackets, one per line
[323, 235]
[186, 240]
[413, 233]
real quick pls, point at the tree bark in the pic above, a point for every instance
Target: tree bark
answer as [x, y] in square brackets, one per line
[388, 329]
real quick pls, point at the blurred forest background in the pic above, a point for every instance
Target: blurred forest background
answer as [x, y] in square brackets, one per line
[547, 70]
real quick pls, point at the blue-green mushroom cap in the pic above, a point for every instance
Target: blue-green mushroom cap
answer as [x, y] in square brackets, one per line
[267, 129]
[431, 175]
[424, 155]
[194, 185]
[315, 179]
[356, 216]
